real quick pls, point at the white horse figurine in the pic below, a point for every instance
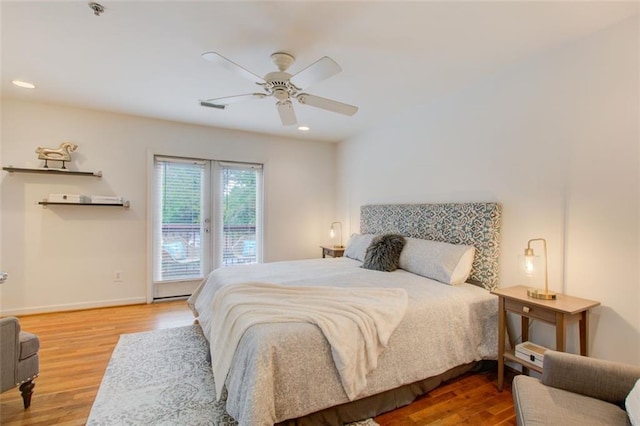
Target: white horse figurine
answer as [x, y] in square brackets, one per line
[62, 153]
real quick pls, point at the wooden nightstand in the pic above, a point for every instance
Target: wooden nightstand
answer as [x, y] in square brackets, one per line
[332, 251]
[558, 312]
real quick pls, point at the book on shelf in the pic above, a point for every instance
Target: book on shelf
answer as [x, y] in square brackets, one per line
[106, 199]
[69, 198]
[531, 352]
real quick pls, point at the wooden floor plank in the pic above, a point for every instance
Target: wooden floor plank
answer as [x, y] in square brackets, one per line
[76, 348]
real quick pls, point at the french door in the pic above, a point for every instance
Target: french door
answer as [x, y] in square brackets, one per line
[207, 214]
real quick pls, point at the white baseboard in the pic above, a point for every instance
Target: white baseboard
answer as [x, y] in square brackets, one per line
[73, 306]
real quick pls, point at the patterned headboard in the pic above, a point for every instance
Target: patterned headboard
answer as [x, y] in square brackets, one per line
[476, 224]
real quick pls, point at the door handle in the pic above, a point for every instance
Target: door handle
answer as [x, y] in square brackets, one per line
[3, 277]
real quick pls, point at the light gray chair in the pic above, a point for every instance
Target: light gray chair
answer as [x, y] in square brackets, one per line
[574, 390]
[19, 360]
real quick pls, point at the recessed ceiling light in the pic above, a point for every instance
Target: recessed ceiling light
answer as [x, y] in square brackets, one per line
[303, 128]
[24, 84]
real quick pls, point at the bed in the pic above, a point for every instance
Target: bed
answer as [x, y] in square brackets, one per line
[284, 372]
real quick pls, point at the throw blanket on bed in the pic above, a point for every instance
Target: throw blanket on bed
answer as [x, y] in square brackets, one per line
[357, 323]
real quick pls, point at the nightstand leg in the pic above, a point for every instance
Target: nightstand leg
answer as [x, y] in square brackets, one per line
[584, 333]
[502, 324]
[561, 330]
[524, 332]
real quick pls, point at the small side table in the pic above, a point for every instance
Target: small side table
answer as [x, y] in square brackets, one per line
[332, 251]
[558, 312]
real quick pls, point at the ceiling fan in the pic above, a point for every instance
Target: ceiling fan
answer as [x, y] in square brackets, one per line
[283, 86]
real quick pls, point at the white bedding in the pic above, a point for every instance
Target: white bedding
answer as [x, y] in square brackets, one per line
[285, 370]
[356, 321]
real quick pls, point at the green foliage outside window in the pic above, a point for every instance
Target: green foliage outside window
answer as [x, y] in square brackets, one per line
[182, 195]
[239, 196]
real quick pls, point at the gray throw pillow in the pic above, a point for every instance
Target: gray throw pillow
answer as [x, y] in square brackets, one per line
[383, 254]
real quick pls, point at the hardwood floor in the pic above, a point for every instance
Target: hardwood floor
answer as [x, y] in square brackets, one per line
[471, 399]
[76, 348]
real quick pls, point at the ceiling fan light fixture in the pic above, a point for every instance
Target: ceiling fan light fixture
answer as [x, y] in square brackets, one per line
[24, 84]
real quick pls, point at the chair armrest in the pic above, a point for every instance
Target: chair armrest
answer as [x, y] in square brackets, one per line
[9, 351]
[605, 380]
[9, 335]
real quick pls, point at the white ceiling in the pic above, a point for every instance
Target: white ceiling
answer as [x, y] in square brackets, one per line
[143, 57]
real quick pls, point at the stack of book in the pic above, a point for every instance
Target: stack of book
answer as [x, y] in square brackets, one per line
[69, 198]
[531, 352]
[106, 199]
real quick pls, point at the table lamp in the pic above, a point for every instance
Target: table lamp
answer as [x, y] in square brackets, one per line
[529, 268]
[332, 233]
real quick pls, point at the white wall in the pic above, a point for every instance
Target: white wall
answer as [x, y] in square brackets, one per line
[555, 140]
[65, 257]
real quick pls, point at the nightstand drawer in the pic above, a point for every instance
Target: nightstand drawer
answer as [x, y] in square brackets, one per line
[530, 311]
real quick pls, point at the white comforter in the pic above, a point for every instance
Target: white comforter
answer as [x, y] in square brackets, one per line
[357, 323]
[286, 370]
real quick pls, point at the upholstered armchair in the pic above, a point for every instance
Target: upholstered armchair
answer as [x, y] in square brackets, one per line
[19, 362]
[574, 390]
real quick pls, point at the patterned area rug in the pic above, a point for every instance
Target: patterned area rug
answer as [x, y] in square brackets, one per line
[162, 378]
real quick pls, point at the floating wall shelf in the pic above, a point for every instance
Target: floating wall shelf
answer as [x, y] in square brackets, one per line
[98, 174]
[12, 169]
[47, 203]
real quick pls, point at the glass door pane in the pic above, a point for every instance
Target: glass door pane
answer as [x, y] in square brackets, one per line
[181, 221]
[241, 217]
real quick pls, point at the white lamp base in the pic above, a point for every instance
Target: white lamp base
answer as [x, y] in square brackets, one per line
[540, 294]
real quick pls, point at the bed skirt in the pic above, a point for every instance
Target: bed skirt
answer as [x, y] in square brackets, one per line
[375, 405]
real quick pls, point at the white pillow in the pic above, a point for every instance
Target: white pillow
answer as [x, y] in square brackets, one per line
[632, 403]
[357, 246]
[444, 262]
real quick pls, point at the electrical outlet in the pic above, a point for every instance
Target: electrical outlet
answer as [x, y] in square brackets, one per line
[117, 276]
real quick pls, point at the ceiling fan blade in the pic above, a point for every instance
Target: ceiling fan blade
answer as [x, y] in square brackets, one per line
[232, 66]
[321, 69]
[212, 105]
[328, 104]
[287, 114]
[226, 100]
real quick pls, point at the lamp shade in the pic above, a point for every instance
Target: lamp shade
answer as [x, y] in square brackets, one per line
[529, 269]
[529, 260]
[332, 233]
